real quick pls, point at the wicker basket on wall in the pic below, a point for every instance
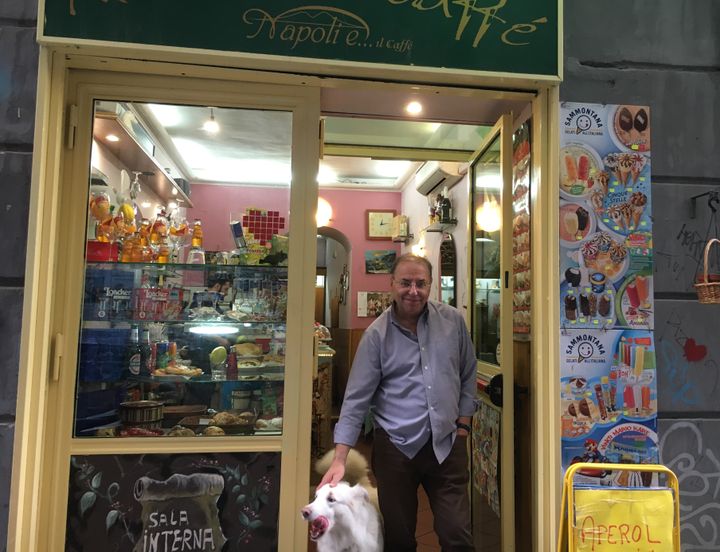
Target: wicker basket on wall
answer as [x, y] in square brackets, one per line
[708, 288]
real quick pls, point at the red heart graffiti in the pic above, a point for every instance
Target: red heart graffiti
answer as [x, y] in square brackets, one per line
[693, 351]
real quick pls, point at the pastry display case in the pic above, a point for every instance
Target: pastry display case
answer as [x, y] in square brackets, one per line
[152, 334]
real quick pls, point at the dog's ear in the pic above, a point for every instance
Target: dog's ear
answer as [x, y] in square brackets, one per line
[360, 492]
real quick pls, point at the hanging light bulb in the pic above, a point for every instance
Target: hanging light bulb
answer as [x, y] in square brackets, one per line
[211, 126]
[488, 216]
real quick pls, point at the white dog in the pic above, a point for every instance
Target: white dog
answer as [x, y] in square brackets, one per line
[345, 517]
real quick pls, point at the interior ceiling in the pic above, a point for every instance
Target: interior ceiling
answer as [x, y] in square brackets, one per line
[254, 146]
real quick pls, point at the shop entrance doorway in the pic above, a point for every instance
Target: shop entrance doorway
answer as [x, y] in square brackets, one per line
[173, 233]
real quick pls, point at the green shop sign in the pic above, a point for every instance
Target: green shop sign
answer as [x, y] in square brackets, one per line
[514, 36]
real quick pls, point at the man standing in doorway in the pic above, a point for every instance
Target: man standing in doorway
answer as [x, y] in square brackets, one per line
[415, 370]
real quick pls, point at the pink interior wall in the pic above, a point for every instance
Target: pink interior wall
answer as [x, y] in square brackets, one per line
[349, 218]
[214, 203]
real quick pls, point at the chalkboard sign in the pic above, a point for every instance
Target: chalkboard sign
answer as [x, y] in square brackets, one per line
[514, 36]
[164, 502]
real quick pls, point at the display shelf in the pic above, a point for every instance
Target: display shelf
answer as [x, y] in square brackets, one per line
[133, 155]
[441, 226]
[166, 267]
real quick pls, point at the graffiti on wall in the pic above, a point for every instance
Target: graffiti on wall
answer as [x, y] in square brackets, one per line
[688, 375]
[697, 467]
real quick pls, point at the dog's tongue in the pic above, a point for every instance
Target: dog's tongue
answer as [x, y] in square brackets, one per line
[318, 527]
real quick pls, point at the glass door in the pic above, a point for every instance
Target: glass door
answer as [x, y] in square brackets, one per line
[491, 321]
[179, 397]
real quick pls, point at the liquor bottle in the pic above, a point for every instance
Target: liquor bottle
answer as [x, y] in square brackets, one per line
[445, 207]
[197, 235]
[146, 358]
[134, 353]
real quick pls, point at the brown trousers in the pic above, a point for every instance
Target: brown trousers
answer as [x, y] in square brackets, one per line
[446, 486]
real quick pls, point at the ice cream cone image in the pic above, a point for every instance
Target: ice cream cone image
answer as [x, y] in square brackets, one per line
[616, 215]
[627, 212]
[639, 162]
[596, 199]
[602, 180]
[625, 164]
[637, 215]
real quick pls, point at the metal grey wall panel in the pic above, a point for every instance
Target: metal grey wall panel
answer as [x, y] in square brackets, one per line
[7, 430]
[19, 10]
[15, 173]
[683, 104]
[688, 357]
[680, 240]
[692, 450]
[18, 81]
[668, 32]
[10, 326]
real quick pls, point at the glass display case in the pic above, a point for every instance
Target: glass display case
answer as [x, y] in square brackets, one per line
[160, 354]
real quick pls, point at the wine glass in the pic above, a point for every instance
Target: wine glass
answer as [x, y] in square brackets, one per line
[179, 233]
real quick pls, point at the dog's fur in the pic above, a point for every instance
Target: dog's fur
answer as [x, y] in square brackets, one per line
[345, 517]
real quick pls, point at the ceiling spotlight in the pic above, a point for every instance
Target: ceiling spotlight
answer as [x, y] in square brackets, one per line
[414, 108]
[211, 126]
[112, 138]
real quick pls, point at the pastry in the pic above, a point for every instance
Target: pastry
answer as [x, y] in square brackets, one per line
[180, 431]
[248, 349]
[212, 431]
[224, 418]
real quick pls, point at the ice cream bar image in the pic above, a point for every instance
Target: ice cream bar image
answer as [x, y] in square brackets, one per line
[639, 360]
[583, 167]
[628, 397]
[570, 168]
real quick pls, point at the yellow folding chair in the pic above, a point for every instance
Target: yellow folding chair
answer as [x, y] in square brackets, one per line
[603, 519]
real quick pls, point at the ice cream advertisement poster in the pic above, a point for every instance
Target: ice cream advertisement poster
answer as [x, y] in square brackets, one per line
[607, 378]
[605, 217]
[625, 443]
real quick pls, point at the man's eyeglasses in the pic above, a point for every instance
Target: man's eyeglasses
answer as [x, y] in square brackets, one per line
[407, 284]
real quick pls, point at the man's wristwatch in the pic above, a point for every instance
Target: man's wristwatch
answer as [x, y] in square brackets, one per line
[466, 427]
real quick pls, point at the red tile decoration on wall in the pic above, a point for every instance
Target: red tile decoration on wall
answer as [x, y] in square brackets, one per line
[262, 224]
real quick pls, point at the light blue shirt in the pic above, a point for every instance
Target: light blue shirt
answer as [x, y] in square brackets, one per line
[415, 385]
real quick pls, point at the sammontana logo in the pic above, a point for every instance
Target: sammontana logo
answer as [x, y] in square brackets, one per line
[583, 120]
[586, 347]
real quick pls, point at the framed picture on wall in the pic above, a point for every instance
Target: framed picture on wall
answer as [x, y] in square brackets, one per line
[379, 261]
[372, 303]
[378, 224]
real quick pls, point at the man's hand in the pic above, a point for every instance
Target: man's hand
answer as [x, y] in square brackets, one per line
[336, 471]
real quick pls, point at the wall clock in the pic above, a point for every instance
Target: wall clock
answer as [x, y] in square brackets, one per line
[378, 224]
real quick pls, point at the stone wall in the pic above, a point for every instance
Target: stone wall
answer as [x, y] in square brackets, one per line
[666, 54]
[18, 77]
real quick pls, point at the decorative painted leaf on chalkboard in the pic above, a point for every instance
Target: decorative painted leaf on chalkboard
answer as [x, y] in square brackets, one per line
[244, 479]
[244, 520]
[264, 498]
[86, 502]
[96, 480]
[236, 489]
[111, 518]
[254, 524]
[240, 499]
